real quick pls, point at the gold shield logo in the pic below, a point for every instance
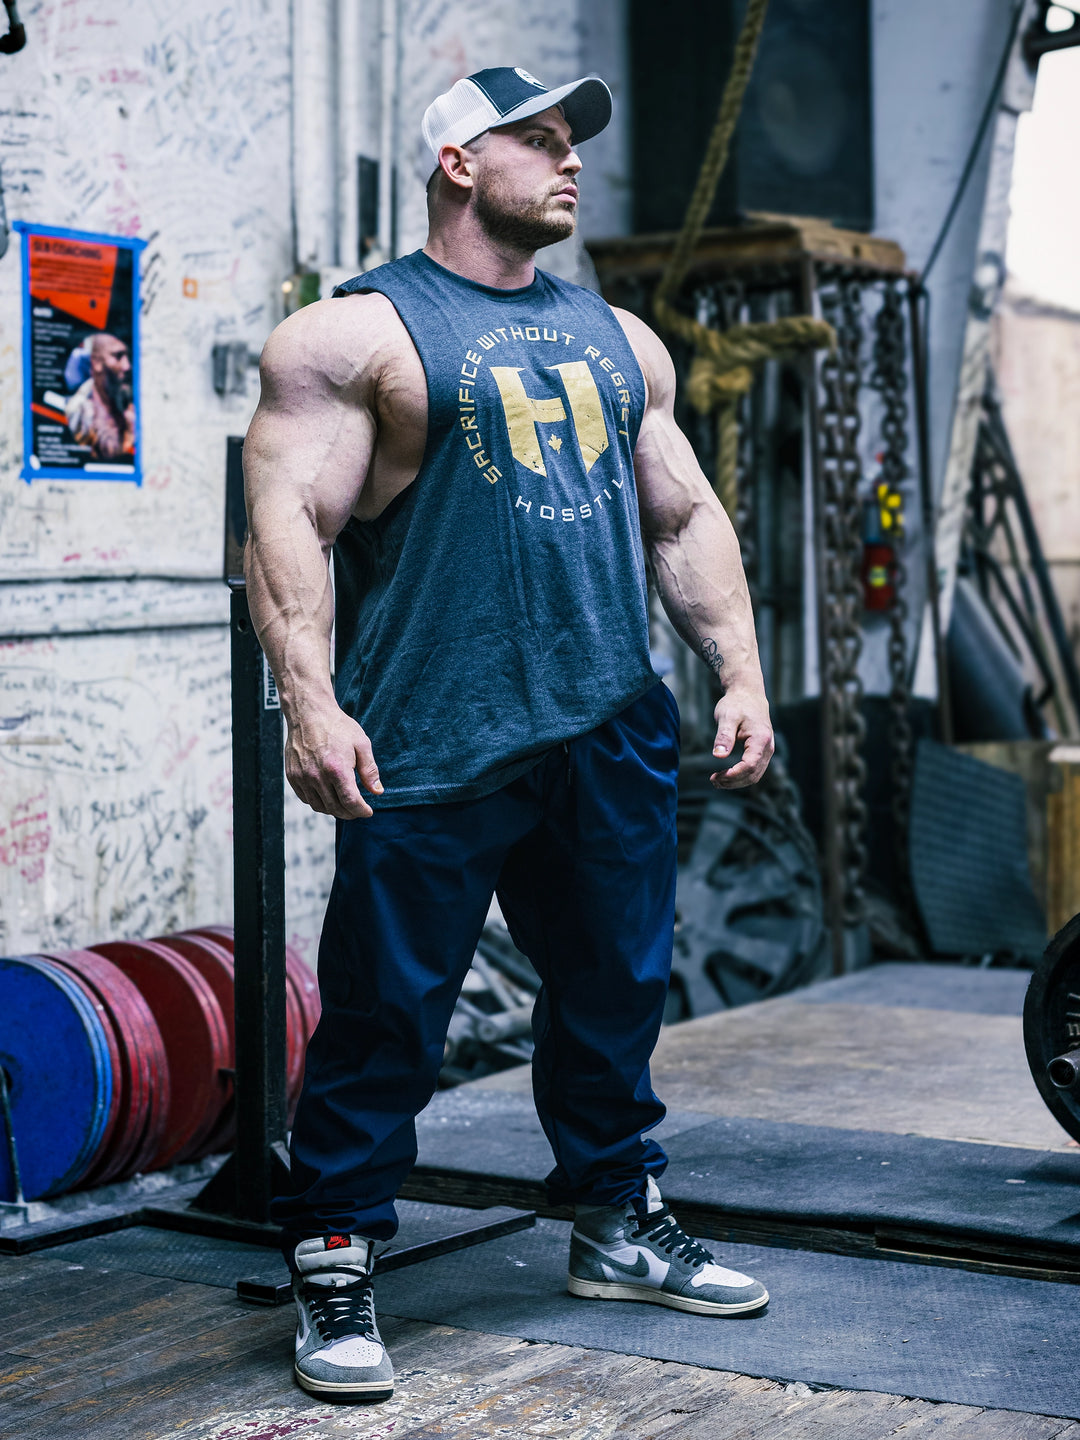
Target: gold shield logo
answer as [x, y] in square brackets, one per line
[524, 414]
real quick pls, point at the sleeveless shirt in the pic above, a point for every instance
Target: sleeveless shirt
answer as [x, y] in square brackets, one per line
[498, 606]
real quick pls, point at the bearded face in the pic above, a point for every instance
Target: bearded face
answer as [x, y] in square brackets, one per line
[525, 223]
[110, 365]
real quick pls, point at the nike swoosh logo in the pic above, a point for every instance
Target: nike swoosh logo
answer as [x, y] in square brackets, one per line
[639, 1269]
[645, 1263]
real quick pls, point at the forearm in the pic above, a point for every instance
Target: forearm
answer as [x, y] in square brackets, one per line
[702, 586]
[292, 607]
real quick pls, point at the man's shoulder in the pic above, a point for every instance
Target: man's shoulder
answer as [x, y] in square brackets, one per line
[81, 403]
[336, 338]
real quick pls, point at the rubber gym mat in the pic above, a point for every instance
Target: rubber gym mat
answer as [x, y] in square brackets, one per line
[869, 1179]
[913, 1330]
[743, 1170]
[968, 989]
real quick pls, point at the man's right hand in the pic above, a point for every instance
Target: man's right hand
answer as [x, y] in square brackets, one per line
[323, 755]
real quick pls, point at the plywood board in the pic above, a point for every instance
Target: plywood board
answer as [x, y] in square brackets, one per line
[859, 1067]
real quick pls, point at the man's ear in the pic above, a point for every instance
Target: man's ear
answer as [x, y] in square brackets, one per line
[456, 165]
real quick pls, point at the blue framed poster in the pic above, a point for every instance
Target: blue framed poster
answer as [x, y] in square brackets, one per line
[81, 416]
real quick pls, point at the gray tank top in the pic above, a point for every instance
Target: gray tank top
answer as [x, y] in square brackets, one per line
[498, 606]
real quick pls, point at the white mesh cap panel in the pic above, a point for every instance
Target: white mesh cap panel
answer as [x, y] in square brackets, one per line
[457, 117]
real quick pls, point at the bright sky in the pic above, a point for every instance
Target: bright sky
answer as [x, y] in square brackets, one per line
[1044, 232]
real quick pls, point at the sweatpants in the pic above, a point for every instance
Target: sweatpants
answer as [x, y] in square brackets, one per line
[581, 853]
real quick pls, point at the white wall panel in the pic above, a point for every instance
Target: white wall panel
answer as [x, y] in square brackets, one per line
[169, 122]
[115, 786]
[116, 793]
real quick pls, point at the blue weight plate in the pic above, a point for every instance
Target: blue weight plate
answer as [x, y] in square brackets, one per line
[54, 1050]
[101, 1078]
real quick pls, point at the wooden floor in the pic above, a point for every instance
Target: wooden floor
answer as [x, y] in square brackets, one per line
[106, 1355]
[906, 1071]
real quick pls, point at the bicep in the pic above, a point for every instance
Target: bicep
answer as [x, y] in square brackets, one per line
[309, 445]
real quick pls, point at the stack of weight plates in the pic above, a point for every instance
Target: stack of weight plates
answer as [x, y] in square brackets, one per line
[302, 1008]
[87, 1075]
[119, 1059]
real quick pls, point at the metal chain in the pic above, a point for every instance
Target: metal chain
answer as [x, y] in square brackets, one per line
[841, 686]
[889, 377]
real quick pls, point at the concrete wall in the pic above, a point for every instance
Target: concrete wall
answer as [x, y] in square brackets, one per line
[1036, 352]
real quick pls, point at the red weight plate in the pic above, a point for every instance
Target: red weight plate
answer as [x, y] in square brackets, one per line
[294, 1048]
[215, 964]
[141, 1055]
[193, 1029]
[147, 1060]
[112, 1045]
[158, 1083]
[296, 1014]
[223, 934]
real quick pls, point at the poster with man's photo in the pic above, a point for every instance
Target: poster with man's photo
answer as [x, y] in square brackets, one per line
[80, 355]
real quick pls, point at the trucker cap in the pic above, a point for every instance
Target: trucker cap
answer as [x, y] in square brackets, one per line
[505, 94]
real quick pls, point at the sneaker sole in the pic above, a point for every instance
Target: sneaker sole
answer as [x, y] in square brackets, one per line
[603, 1290]
[363, 1389]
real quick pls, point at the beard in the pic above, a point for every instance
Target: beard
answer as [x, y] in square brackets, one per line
[527, 226]
[118, 391]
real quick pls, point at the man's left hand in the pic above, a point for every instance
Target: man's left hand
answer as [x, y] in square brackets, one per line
[742, 715]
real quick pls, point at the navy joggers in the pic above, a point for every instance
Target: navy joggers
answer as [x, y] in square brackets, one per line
[581, 853]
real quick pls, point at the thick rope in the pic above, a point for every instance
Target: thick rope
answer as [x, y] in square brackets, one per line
[723, 367]
[716, 156]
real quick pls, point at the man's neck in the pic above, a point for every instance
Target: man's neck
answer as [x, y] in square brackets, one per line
[479, 258]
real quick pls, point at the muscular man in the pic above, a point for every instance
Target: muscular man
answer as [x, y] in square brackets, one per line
[491, 455]
[101, 413]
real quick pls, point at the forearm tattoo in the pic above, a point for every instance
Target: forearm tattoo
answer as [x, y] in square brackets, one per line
[710, 653]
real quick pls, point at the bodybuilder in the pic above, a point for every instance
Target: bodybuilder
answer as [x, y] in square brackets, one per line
[490, 455]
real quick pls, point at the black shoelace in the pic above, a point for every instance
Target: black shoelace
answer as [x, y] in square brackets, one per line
[667, 1234]
[341, 1310]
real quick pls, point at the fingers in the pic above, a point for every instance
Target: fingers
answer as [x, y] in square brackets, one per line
[727, 732]
[323, 770]
[331, 792]
[365, 765]
[346, 801]
[758, 749]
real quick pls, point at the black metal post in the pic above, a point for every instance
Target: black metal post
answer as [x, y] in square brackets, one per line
[259, 918]
[259, 1164]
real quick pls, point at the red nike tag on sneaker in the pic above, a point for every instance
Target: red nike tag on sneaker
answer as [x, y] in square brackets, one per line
[338, 1242]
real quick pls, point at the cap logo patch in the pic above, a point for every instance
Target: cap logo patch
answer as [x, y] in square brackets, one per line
[529, 79]
[338, 1242]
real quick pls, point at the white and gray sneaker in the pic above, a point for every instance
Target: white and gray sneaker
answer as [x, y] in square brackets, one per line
[339, 1350]
[621, 1253]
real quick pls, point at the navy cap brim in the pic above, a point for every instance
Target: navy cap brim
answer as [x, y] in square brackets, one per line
[585, 103]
